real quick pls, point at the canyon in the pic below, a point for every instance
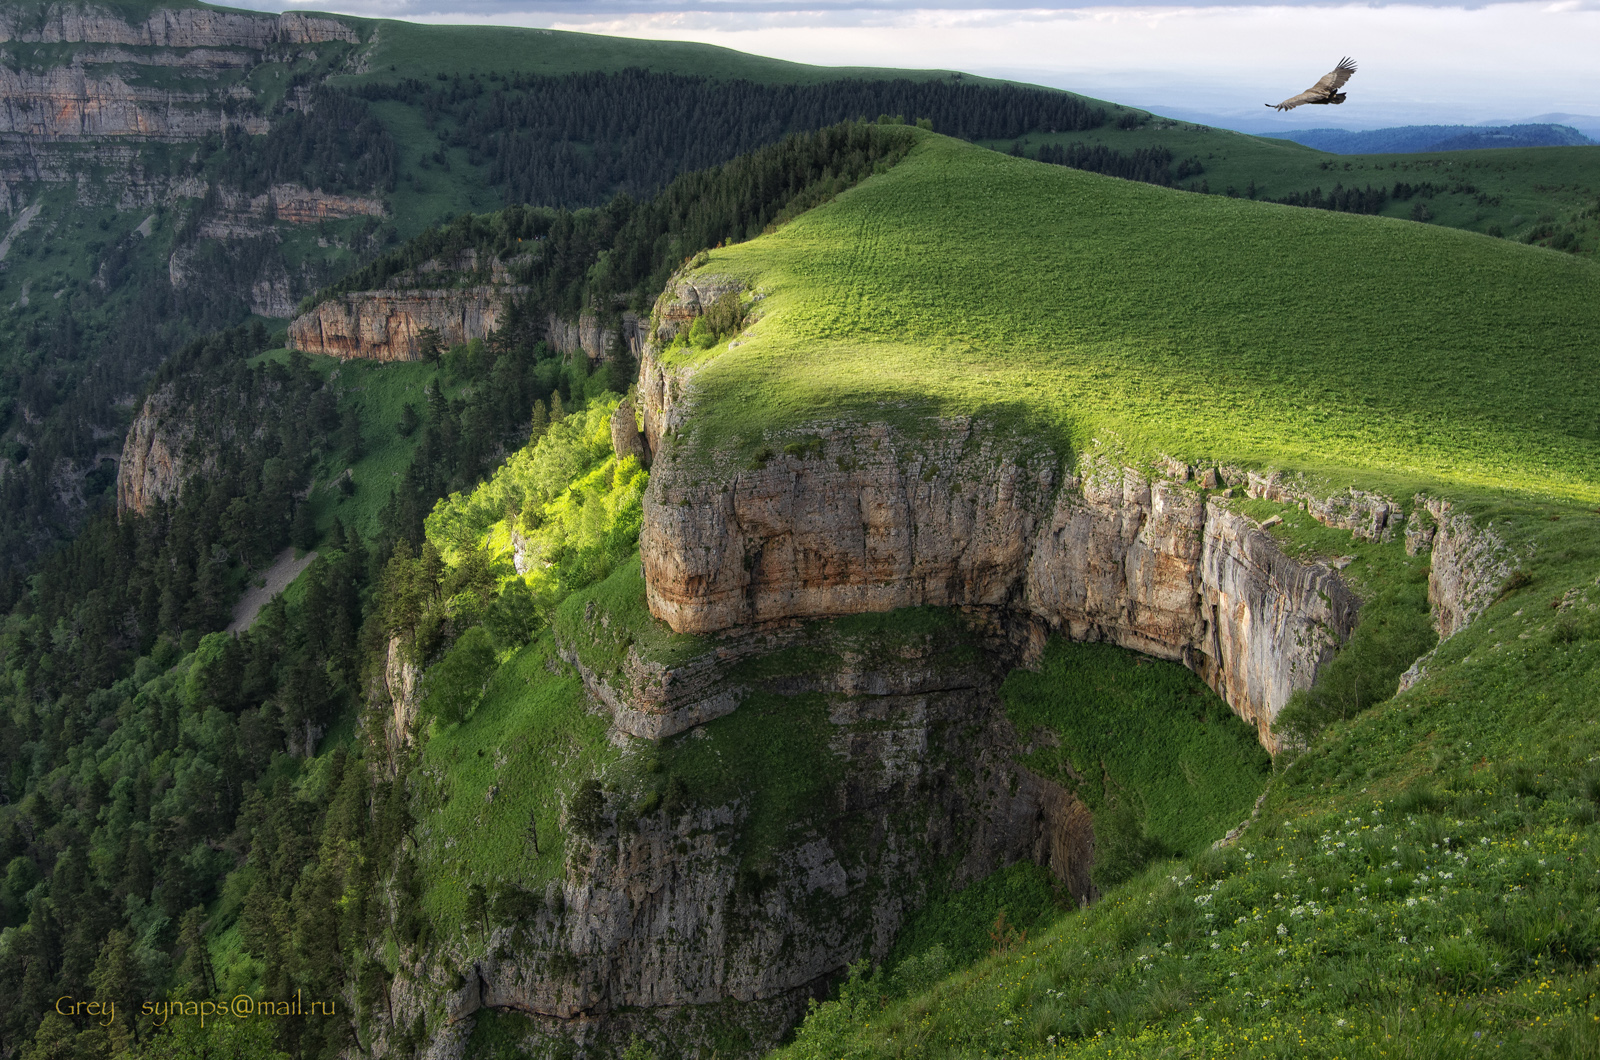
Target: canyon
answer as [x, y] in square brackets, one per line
[671, 922]
[654, 922]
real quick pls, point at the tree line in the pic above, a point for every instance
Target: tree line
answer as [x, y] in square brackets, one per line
[577, 140]
[1150, 165]
[620, 255]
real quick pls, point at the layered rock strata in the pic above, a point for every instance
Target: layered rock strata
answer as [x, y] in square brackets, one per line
[669, 912]
[169, 28]
[387, 325]
[863, 518]
[72, 103]
[240, 216]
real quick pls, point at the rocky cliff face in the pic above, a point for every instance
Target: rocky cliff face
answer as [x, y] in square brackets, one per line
[384, 325]
[387, 325]
[73, 103]
[589, 338]
[93, 98]
[1470, 564]
[167, 28]
[152, 468]
[402, 681]
[246, 216]
[686, 297]
[671, 914]
[866, 519]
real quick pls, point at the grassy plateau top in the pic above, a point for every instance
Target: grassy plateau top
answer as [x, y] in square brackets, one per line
[1073, 305]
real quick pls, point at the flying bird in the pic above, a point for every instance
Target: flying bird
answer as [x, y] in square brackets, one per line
[1324, 91]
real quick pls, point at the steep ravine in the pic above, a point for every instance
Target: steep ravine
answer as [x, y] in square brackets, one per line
[683, 924]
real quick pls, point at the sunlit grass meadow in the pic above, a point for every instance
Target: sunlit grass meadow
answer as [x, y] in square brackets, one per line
[1364, 349]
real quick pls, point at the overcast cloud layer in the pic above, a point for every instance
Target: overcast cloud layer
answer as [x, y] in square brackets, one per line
[1419, 63]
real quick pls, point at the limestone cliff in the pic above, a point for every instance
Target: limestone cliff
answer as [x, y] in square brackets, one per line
[74, 103]
[594, 341]
[864, 518]
[152, 467]
[169, 28]
[687, 295]
[244, 216]
[386, 325]
[99, 94]
[672, 913]
[1470, 565]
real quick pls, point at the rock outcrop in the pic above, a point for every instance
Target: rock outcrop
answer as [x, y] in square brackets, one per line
[73, 23]
[1470, 566]
[589, 338]
[857, 517]
[152, 468]
[675, 910]
[73, 103]
[686, 297]
[387, 325]
[1368, 516]
[240, 216]
[402, 680]
[626, 440]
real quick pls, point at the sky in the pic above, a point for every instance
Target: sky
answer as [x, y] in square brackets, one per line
[1419, 63]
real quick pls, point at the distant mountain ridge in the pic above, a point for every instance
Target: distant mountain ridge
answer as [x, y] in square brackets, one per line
[1411, 139]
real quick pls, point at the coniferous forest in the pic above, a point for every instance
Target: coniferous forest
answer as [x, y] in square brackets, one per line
[142, 795]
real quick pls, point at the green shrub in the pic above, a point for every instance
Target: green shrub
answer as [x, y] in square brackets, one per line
[1122, 844]
[701, 334]
[456, 683]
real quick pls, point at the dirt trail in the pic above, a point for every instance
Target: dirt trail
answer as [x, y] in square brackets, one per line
[285, 569]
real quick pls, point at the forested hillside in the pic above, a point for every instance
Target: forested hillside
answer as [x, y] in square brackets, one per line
[183, 776]
[332, 148]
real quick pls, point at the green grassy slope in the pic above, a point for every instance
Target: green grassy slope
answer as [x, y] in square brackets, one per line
[1367, 349]
[1519, 193]
[1420, 881]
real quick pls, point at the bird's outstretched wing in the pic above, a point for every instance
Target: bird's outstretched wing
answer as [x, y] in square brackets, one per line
[1294, 101]
[1334, 79]
[1331, 82]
